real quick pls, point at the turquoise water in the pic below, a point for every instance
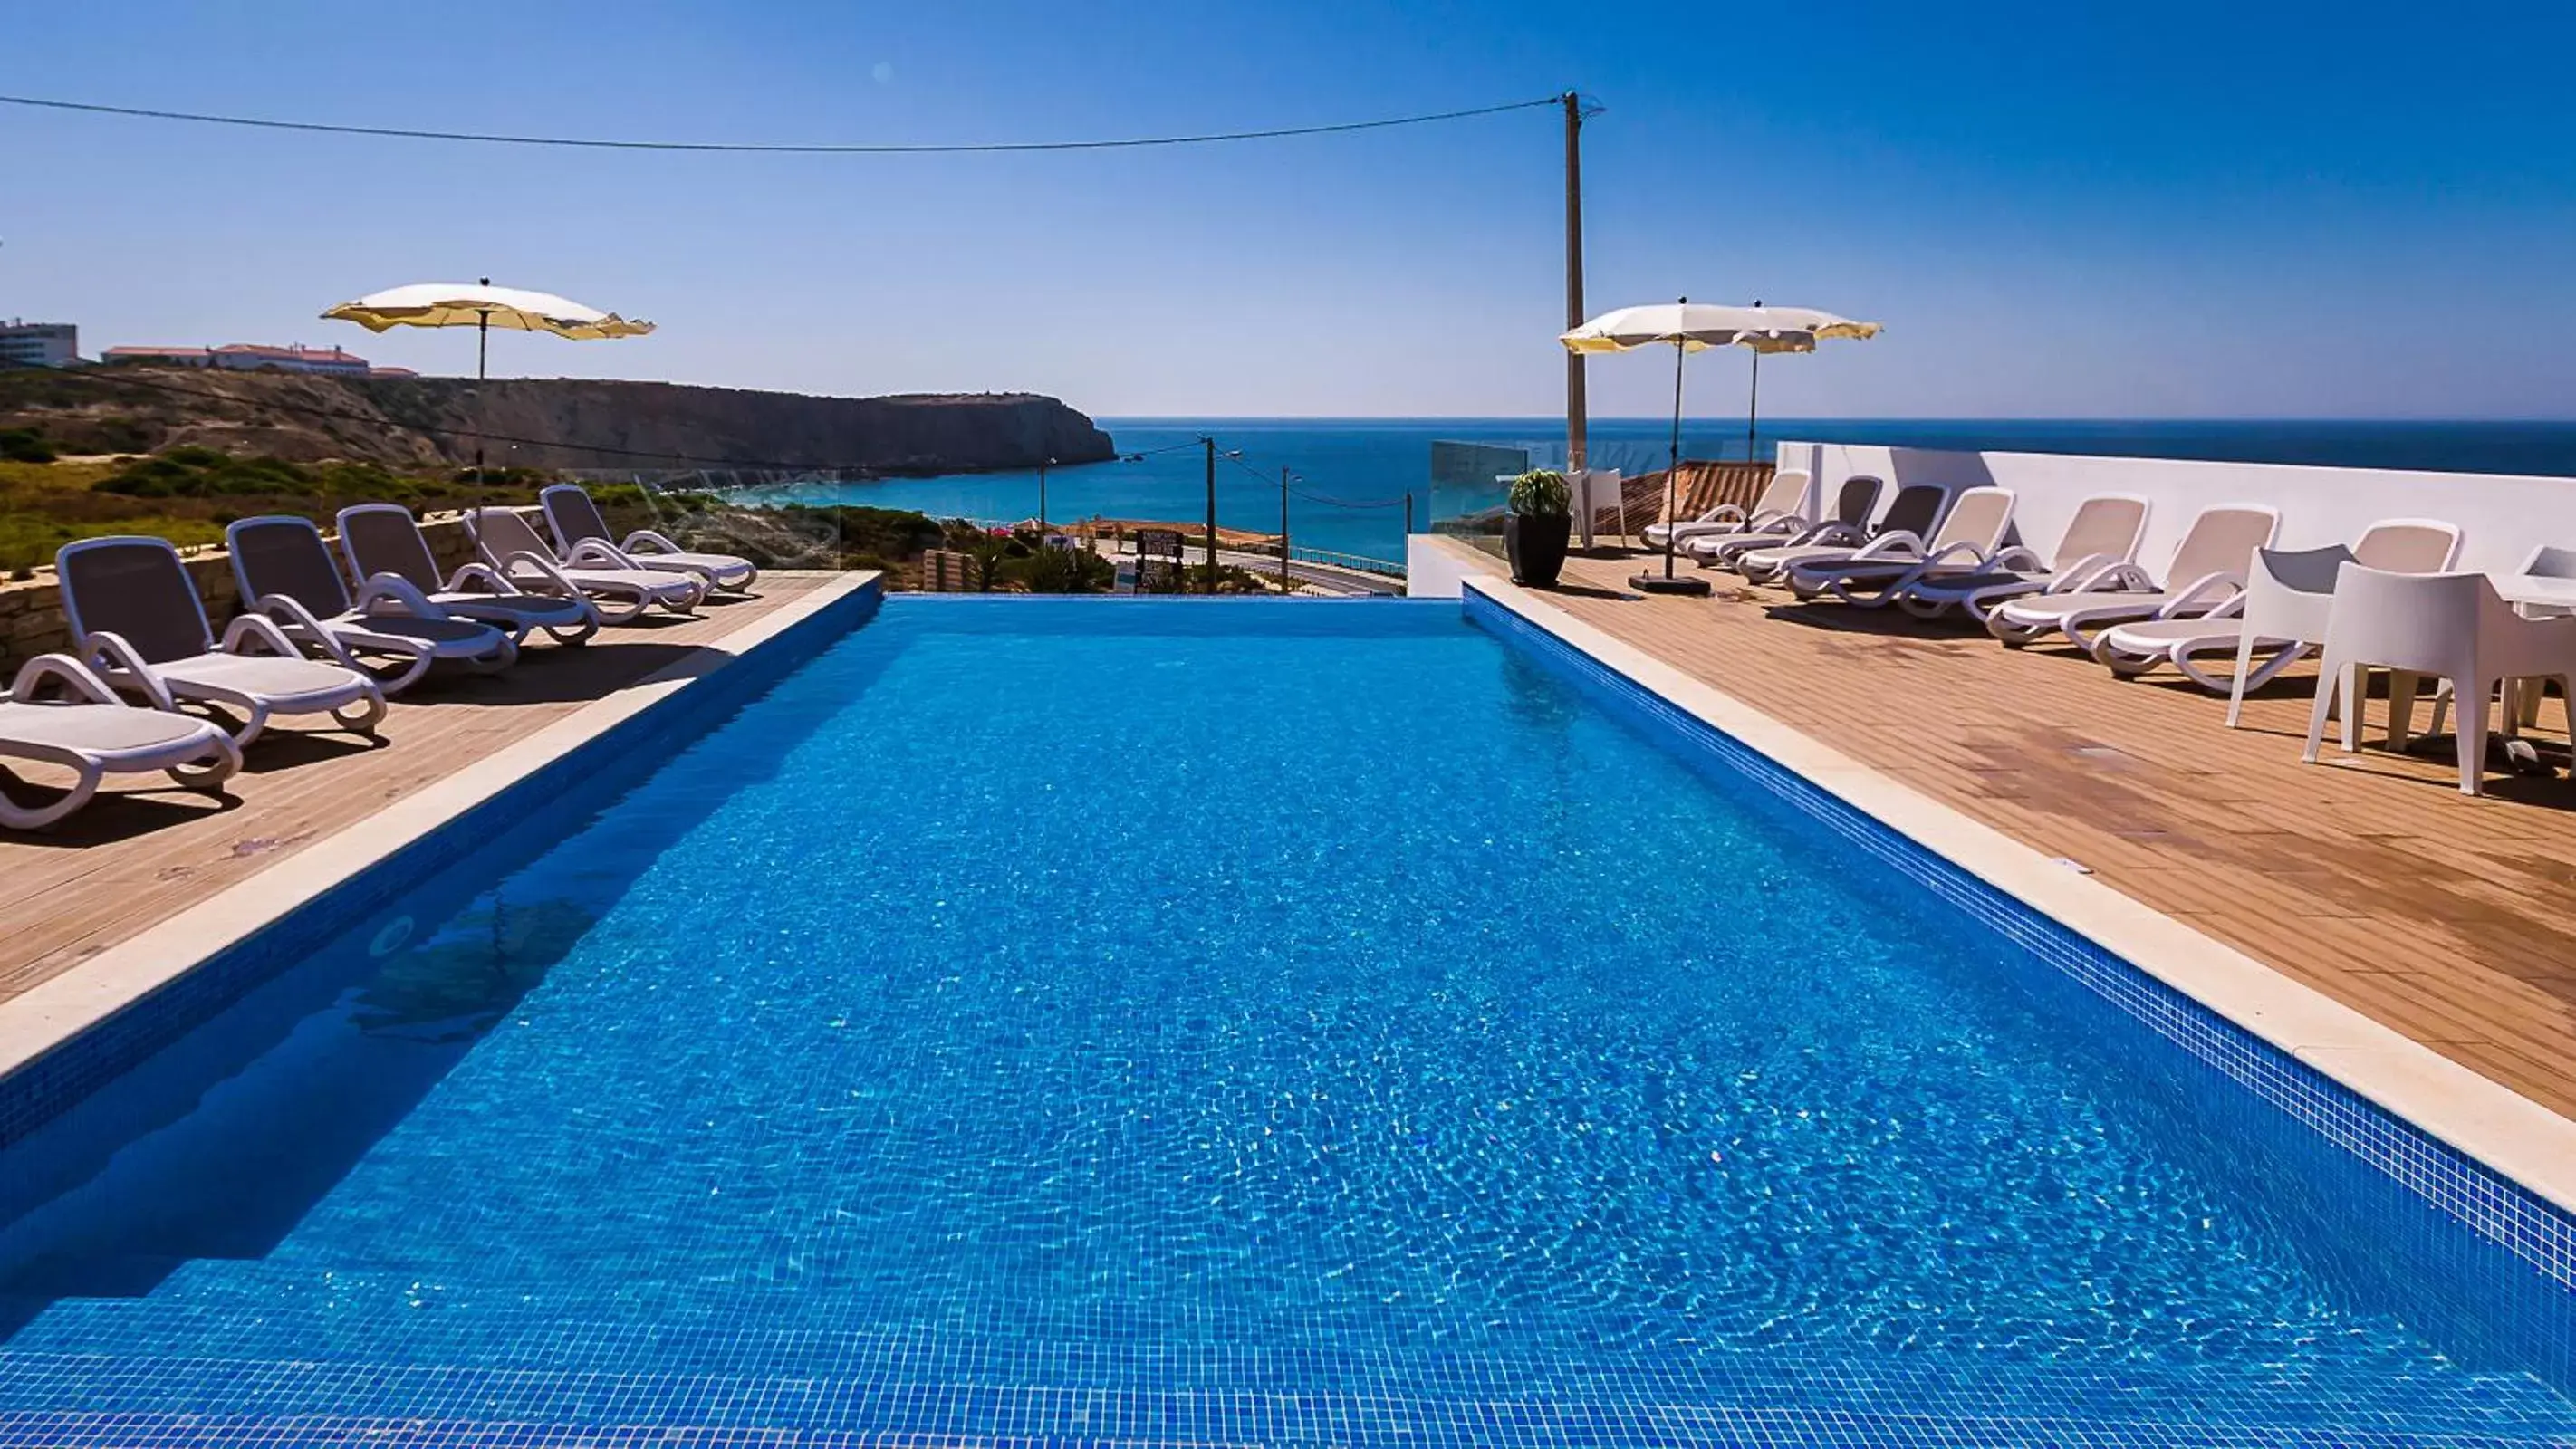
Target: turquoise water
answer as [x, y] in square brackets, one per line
[1341, 463]
[1163, 1021]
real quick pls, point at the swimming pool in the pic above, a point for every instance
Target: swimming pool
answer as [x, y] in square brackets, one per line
[1225, 1023]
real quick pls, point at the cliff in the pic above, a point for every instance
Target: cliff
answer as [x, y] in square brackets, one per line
[556, 422]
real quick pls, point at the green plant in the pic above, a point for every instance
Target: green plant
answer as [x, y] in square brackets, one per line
[1542, 493]
[24, 445]
[1062, 571]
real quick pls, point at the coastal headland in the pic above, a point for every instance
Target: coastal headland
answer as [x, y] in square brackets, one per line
[404, 423]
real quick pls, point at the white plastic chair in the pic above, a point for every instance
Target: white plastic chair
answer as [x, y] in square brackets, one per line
[2289, 602]
[2397, 545]
[2449, 626]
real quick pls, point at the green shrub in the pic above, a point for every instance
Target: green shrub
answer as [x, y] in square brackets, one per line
[25, 445]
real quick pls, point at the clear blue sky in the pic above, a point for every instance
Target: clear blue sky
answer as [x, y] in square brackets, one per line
[2179, 209]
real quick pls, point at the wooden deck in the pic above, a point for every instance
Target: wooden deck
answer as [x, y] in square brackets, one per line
[145, 850]
[2371, 879]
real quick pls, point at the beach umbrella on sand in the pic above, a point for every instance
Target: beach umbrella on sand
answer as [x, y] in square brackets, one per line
[482, 306]
[1689, 327]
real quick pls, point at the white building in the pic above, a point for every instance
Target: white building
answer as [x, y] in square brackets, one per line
[38, 344]
[253, 357]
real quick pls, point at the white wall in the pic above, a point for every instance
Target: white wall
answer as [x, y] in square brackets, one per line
[1434, 566]
[2501, 517]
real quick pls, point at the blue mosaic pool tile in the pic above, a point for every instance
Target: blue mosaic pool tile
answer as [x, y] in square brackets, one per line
[2466, 1190]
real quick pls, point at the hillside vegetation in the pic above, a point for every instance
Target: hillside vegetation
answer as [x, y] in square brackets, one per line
[434, 422]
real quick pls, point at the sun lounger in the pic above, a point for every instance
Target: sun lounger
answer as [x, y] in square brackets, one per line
[1854, 502]
[1781, 499]
[137, 620]
[2104, 532]
[2206, 575]
[1970, 540]
[1915, 511]
[392, 560]
[285, 571]
[582, 537]
[509, 543]
[95, 734]
[2283, 616]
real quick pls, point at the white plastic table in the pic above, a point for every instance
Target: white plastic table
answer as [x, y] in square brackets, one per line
[2536, 589]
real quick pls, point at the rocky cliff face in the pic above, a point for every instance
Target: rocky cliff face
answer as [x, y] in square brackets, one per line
[543, 422]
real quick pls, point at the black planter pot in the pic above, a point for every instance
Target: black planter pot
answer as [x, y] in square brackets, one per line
[1536, 547]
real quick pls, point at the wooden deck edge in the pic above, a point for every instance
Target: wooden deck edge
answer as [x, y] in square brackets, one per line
[2484, 1120]
[62, 1007]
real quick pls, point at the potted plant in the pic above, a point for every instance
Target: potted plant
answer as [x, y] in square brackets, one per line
[1539, 521]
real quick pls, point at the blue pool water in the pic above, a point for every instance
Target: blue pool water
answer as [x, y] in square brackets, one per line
[1222, 1023]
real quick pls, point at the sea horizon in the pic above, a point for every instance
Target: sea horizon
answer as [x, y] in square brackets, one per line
[1351, 477]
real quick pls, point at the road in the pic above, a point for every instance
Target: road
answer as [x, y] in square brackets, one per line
[1324, 578]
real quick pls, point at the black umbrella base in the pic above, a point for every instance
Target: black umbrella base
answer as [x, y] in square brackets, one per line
[1678, 584]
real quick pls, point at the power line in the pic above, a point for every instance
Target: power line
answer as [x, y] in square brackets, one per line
[1329, 502]
[265, 123]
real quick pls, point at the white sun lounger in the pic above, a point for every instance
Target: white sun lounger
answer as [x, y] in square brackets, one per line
[1916, 510]
[392, 560]
[94, 734]
[137, 620]
[2104, 532]
[1781, 499]
[509, 543]
[2283, 617]
[1854, 502]
[285, 571]
[2206, 575]
[582, 537]
[1970, 540]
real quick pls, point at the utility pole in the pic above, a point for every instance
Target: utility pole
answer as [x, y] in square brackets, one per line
[1283, 529]
[1210, 444]
[1577, 422]
[1042, 467]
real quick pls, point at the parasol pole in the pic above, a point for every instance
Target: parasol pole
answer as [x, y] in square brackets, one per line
[1753, 401]
[1667, 584]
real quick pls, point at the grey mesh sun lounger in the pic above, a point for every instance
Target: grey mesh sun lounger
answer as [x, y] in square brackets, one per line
[285, 571]
[509, 543]
[137, 620]
[1915, 511]
[582, 537]
[1971, 538]
[392, 560]
[1854, 502]
[1775, 512]
[94, 734]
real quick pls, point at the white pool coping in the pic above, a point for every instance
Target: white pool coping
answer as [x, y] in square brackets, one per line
[2483, 1119]
[53, 1011]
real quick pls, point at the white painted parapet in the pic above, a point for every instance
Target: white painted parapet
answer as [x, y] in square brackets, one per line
[1434, 566]
[2501, 516]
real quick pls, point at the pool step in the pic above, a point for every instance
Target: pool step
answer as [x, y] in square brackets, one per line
[91, 1400]
[272, 1342]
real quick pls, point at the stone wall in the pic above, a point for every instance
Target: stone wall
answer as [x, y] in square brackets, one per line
[31, 613]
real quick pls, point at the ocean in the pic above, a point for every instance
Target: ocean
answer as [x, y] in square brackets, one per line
[1351, 477]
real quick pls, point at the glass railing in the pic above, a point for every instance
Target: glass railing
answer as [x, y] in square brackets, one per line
[1470, 482]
